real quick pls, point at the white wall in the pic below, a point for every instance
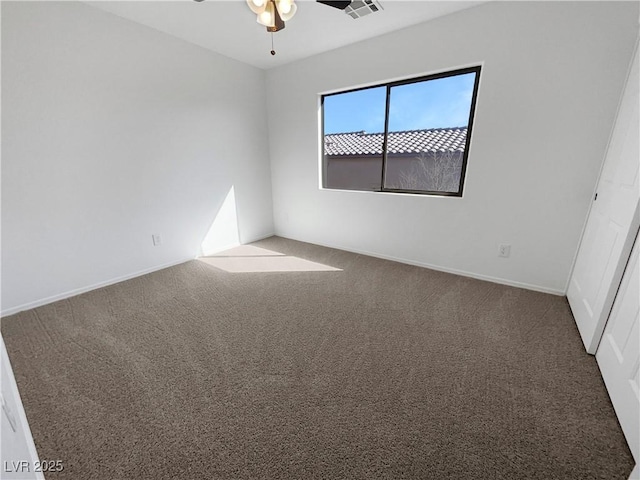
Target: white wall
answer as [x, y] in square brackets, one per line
[551, 80]
[111, 132]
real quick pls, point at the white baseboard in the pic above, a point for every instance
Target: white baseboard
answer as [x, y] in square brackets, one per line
[229, 246]
[78, 291]
[488, 278]
[256, 238]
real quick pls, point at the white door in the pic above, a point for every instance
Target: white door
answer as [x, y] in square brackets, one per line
[18, 455]
[619, 353]
[611, 225]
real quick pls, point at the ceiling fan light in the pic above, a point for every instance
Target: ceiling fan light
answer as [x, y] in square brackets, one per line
[257, 6]
[291, 11]
[268, 16]
[284, 6]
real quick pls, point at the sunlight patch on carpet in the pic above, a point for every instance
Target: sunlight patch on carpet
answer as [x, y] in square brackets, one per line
[250, 259]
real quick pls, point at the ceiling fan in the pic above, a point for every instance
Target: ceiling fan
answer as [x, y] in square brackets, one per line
[273, 13]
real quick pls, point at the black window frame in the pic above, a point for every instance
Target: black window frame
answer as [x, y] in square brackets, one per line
[389, 85]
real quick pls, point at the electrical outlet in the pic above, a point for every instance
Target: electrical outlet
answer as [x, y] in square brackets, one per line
[157, 240]
[504, 250]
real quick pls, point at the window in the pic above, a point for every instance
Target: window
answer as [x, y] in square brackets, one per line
[410, 136]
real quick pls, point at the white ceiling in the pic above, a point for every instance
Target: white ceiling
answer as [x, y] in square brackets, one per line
[230, 28]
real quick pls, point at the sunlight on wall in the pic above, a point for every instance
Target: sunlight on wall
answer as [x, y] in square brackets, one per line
[247, 258]
[223, 232]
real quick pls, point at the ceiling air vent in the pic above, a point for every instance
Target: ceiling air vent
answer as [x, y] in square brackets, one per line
[360, 8]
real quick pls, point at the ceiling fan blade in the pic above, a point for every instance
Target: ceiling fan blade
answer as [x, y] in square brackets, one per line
[337, 4]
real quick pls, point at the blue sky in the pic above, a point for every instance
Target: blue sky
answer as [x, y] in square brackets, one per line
[444, 102]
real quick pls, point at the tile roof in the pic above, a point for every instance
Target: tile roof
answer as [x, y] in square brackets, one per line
[408, 141]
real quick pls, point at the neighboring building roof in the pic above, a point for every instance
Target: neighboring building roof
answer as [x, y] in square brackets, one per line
[406, 142]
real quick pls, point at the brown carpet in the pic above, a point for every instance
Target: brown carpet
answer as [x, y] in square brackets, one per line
[378, 370]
